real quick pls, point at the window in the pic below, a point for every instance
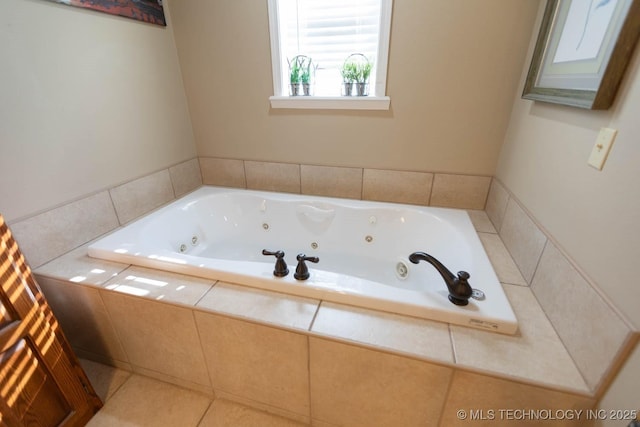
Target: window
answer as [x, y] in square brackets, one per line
[324, 34]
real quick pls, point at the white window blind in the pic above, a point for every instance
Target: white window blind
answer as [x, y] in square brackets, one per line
[328, 31]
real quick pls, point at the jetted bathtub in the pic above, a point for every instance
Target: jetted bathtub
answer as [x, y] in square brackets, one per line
[363, 249]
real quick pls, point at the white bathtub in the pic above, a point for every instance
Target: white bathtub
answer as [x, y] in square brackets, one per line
[363, 247]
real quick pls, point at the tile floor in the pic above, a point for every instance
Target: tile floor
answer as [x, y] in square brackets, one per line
[132, 400]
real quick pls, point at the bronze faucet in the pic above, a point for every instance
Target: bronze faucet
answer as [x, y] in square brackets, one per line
[459, 289]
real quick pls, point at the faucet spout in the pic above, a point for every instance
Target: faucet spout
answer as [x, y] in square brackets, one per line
[459, 288]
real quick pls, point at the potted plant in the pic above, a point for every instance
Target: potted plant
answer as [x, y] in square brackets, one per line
[356, 69]
[294, 76]
[362, 82]
[305, 77]
[301, 71]
[349, 74]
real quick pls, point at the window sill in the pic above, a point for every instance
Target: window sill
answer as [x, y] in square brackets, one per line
[331, 103]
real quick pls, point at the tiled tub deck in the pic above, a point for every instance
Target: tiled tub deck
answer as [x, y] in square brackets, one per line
[310, 360]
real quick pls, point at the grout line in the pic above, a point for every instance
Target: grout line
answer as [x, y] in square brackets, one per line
[313, 320]
[446, 397]
[206, 411]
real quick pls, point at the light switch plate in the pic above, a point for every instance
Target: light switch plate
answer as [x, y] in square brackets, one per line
[602, 147]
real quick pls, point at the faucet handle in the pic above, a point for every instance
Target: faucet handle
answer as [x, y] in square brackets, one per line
[302, 271]
[281, 268]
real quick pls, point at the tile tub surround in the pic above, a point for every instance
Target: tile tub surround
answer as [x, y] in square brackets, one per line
[50, 234]
[595, 336]
[278, 353]
[417, 188]
[76, 280]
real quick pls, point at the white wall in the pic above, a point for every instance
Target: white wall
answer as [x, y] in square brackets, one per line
[593, 215]
[87, 100]
[453, 68]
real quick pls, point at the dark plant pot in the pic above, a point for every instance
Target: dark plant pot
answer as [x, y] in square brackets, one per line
[347, 88]
[362, 89]
[306, 89]
[294, 89]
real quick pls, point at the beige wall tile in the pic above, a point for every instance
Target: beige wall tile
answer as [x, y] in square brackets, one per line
[504, 266]
[55, 232]
[267, 176]
[523, 239]
[588, 326]
[331, 181]
[473, 392]
[160, 285]
[417, 337]
[256, 362]
[157, 336]
[535, 354]
[185, 177]
[223, 172]
[397, 186]
[460, 191]
[481, 221]
[360, 387]
[497, 203]
[224, 413]
[84, 318]
[76, 266]
[144, 401]
[263, 306]
[136, 198]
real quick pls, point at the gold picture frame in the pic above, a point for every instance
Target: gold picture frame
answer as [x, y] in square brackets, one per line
[582, 51]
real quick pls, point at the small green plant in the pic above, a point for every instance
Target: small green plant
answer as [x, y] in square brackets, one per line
[305, 76]
[294, 70]
[349, 72]
[364, 71]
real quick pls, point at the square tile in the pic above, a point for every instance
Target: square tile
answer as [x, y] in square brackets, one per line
[223, 172]
[158, 336]
[473, 397]
[536, 354]
[331, 181]
[402, 334]
[262, 306]
[359, 387]
[185, 177]
[143, 401]
[256, 362]
[225, 413]
[106, 380]
[160, 285]
[397, 186]
[84, 318]
[140, 196]
[504, 266]
[590, 329]
[267, 176]
[57, 231]
[522, 237]
[497, 203]
[460, 191]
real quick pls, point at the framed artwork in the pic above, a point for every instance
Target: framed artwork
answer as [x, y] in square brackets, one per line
[582, 51]
[150, 11]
